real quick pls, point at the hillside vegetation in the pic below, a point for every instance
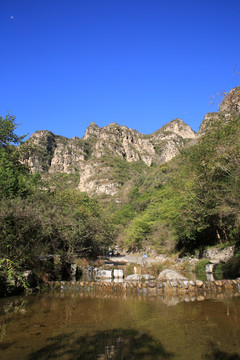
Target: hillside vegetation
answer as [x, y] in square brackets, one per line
[191, 202]
[39, 217]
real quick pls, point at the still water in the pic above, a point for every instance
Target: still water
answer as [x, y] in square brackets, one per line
[80, 326]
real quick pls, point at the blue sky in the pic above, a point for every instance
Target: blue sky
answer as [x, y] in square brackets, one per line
[139, 63]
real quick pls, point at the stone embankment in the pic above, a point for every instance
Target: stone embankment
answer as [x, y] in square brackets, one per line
[189, 288]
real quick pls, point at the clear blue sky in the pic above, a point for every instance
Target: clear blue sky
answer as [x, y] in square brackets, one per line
[140, 63]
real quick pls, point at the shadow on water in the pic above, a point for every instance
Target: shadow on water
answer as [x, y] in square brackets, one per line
[217, 354]
[103, 345]
[6, 345]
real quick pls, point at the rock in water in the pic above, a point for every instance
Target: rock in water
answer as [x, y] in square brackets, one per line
[104, 274]
[168, 274]
[118, 273]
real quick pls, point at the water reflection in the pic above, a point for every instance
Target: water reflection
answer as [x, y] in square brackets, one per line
[210, 277]
[217, 354]
[103, 345]
[82, 326]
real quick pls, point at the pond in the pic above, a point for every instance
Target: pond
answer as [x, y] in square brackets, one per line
[65, 325]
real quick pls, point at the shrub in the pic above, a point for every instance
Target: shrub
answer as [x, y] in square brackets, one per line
[200, 267]
[231, 269]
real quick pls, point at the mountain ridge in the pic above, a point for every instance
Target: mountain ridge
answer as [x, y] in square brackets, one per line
[89, 155]
[94, 154]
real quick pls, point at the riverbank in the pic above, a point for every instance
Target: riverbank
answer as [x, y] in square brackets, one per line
[122, 266]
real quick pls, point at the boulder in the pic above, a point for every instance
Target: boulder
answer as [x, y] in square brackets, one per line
[210, 268]
[118, 273]
[199, 283]
[169, 274]
[104, 274]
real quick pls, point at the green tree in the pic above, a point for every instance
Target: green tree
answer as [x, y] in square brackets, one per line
[8, 136]
[15, 179]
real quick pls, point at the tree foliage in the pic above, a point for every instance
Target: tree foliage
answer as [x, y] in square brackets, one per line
[36, 219]
[15, 179]
[64, 223]
[8, 135]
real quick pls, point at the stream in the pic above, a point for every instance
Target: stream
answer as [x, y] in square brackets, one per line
[72, 325]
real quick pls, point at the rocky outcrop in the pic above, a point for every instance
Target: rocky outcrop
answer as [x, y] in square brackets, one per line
[93, 155]
[121, 141]
[46, 151]
[230, 105]
[231, 101]
[170, 139]
[217, 255]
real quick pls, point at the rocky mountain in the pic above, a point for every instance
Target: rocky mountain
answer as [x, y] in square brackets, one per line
[93, 155]
[103, 156]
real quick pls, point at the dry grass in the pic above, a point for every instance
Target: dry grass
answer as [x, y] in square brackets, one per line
[82, 262]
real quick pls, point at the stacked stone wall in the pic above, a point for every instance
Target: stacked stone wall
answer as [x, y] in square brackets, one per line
[186, 289]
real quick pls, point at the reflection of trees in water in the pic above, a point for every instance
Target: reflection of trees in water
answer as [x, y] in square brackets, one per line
[103, 345]
[115, 345]
[7, 314]
[217, 354]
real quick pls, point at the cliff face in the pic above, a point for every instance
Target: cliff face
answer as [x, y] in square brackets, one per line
[230, 105]
[93, 155]
[53, 153]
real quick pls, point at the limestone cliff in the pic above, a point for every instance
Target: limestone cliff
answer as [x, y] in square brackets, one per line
[93, 155]
[53, 153]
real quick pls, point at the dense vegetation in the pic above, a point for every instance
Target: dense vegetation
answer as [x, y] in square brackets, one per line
[37, 218]
[191, 202]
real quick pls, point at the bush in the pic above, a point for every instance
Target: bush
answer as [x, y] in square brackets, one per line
[218, 271]
[200, 267]
[231, 269]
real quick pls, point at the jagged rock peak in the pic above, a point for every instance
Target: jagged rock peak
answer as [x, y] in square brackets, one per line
[174, 129]
[230, 104]
[231, 101]
[41, 133]
[178, 127]
[92, 130]
[95, 131]
[43, 138]
[116, 126]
